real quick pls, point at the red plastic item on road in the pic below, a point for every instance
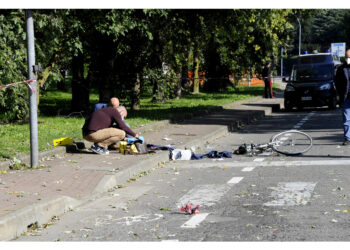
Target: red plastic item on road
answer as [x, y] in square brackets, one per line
[190, 209]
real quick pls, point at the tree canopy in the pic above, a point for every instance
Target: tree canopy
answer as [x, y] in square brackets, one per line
[119, 52]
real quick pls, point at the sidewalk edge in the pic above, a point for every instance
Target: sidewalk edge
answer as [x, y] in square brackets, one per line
[17, 222]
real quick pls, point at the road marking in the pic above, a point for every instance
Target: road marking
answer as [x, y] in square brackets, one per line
[204, 195]
[248, 169]
[235, 180]
[291, 194]
[128, 220]
[266, 164]
[259, 159]
[170, 240]
[302, 121]
[195, 220]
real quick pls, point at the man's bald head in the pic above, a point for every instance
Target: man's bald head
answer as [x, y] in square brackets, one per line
[122, 111]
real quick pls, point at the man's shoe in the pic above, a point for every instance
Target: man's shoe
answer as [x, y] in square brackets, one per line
[99, 150]
[346, 142]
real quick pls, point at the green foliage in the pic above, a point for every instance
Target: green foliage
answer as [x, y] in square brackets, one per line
[114, 47]
[328, 26]
[13, 100]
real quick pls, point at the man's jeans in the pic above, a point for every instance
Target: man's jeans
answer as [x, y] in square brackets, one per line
[346, 118]
[106, 137]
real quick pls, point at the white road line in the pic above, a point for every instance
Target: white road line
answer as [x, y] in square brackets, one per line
[204, 195]
[248, 169]
[235, 180]
[259, 159]
[266, 164]
[170, 240]
[195, 220]
[291, 194]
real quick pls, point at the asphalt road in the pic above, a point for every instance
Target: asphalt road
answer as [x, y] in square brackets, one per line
[269, 197]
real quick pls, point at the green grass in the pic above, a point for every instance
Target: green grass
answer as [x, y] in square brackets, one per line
[54, 121]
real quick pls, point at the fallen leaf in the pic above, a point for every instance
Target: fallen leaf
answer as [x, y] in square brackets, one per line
[313, 226]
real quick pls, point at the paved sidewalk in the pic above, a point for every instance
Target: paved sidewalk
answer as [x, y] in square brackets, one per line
[72, 179]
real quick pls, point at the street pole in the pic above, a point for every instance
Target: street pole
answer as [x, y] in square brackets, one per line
[34, 151]
[299, 35]
[281, 62]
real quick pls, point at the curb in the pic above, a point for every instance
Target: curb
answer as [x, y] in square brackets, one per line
[17, 222]
[14, 224]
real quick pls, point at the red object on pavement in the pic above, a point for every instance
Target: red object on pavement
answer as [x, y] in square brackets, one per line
[190, 209]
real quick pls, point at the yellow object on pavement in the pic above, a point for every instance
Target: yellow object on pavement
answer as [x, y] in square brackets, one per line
[63, 141]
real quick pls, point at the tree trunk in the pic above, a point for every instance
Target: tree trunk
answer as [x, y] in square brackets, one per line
[196, 75]
[178, 90]
[155, 90]
[135, 93]
[80, 87]
[62, 84]
[106, 88]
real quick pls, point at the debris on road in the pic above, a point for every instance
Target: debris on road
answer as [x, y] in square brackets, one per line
[189, 208]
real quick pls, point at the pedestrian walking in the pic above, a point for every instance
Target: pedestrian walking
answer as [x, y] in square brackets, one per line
[342, 83]
[267, 80]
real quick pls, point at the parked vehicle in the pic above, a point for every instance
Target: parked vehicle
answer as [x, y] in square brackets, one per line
[311, 82]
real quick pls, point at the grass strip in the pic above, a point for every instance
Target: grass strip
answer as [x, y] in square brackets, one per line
[54, 121]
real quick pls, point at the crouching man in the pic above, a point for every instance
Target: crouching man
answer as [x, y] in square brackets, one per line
[97, 129]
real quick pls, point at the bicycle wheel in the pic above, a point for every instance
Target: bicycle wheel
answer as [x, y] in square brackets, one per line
[291, 142]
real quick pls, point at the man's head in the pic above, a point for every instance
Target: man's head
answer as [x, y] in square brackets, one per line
[114, 102]
[122, 111]
[347, 56]
[347, 53]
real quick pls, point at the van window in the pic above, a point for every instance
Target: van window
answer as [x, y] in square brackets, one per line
[315, 59]
[307, 73]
